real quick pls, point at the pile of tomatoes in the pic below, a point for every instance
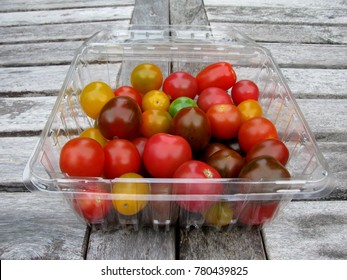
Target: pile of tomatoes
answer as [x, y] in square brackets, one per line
[206, 126]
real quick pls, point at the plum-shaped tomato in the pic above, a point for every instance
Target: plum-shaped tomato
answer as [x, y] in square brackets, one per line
[121, 117]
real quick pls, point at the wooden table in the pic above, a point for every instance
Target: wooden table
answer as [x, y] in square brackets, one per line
[38, 39]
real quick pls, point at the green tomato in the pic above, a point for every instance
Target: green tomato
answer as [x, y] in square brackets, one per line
[180, 103]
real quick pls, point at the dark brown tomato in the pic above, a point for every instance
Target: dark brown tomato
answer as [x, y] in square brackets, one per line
[227, 162]
[211, 149]
[192, 124]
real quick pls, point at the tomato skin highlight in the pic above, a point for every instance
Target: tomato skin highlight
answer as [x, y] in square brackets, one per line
[164, 153]
[197, 169]
[121, 156]
[220, 74]
[83, 157]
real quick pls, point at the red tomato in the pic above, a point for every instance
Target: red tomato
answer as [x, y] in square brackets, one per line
[220, 74]
[130, 92]
[164, 153]
[197, 169]
[92, 204]
[255, 213]
[82, 157]
[121, 156]
[243, 90]
[269, 147]
[255, 130]
[140, 144]
[211, 96]
[225, 120]
[180, 84]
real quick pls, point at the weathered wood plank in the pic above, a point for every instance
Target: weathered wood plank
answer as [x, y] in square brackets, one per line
[36, 226]
[286, 15]
[66, 15]
[145, 244]
[309, 230]
[148, 13]
[207, 244]
[20, 5]
[285, 54]
[282, 33]
[47, 80]
[188, 12]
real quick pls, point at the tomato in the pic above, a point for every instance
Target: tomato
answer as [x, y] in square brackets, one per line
[121, 117]
[155, 99]
[94, 96]
[140, 143]
[211, 96]
[219, 214]
[130, 205]
[193, 125]
[211, 149]
[271, 147]
[243, 90]
[95, 134]
[164, 153]
[82, 157]
[250, 109]
[255, 214]
[146, 77]
[155, 121]
[121, 156]
[220, 74]
[130, 92]
[227, 162]
[92, 204]
[255, 130]
[197, 169]
[180, 103]
[180, 84]
[225, 120]
[234, 145]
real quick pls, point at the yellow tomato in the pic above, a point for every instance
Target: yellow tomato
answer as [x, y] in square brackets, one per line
[95, 134]
[219, 214]
[249, 109]
[146, 77]
[94, 96]
[130, 206]
[155, 99]
[155, 121]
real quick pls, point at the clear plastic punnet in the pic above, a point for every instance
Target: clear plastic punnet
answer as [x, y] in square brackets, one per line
[110, 56]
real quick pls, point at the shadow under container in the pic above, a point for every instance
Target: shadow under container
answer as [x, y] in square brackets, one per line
[110, 56]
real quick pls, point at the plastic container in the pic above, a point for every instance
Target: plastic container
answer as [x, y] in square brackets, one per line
[110, 56]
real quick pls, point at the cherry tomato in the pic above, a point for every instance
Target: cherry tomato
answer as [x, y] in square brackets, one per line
[211, 149]
[140, 143]
[82, 157]
[180, 84]
[255, 130]
[121, 156]
[130, 92]
[155, 121]
[197, 169]
[155, 99]
[95, 134]
[227, 162]
[211, 96]
[146, 77]
[225, 120]
[180, 103]
[130, 205]
[94, 96]
[120, 117]
[220, 74]
[193, 125]
[219, 214]
[92, 204]
[250, 109]
[243, 90]
[271, 147]
[164, 153]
